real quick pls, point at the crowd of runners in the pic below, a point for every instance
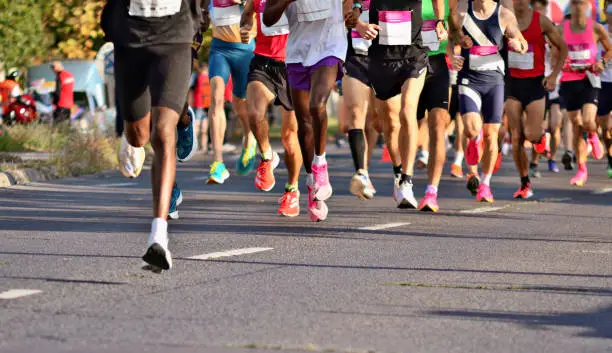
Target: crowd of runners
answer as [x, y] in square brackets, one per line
[502, 71]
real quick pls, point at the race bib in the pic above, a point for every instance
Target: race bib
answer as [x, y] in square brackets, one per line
[428, 33]
[278, 29]
[225, 13]
[520, 61]
[484, 58]
[579, 56]
[453, 77]
[361, 45]
[154, 8]
[395, 27]
[313, 10]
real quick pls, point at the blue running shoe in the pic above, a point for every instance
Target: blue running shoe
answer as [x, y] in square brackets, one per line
[552, 166]
[175, 201]
[218, 173]
[187, 139]
[246, 163]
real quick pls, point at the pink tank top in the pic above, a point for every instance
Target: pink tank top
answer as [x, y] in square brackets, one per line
[582, 51]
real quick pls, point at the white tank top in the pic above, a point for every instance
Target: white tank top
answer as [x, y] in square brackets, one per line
[311, 41]
[606, 75]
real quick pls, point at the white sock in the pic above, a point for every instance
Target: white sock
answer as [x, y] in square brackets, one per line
[319, 160]
[310, 179]
[431, 188]
[159, 232]
[267, 155]
[458, 158]
[486, 179]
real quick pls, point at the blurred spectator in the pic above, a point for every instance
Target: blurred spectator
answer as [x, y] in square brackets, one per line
[201, 103]
[9, 89]
[64, 92]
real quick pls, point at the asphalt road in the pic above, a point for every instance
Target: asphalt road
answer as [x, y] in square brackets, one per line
[516, 276]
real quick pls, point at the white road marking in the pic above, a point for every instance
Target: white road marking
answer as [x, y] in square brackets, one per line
[115, 185]
[384, 226]
[228, 253]
[483, 210]
[601, 252]
[602, 191]
[18, 293]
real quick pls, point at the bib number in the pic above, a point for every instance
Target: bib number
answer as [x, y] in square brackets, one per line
[579, 56]
[313, 10]
[521, 61]
[395, 27]
[154, 8]
[429, 35]
[361, 45]
[278, 29]
[225, 13]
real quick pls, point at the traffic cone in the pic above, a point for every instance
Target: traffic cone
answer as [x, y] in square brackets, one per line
[386, 157]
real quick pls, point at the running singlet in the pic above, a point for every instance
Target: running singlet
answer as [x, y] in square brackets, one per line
[532, 63]
[225, 17]
[317, 31]
[270, 42]
[400, 28]
[138, 23]
[428, 33]
[357, 45]
[606, 75]
[483, 62]
[582, 52]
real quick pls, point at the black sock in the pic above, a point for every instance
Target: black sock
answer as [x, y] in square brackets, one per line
[609, 160]
[397, 169]
[533, 166]
[357, 142]
[525, 180]
[406, 179]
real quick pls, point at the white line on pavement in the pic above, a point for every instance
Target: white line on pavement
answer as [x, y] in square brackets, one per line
[483, 209]
[228, 253]
[384, 226]
[115, 185]
[18, 293]
[602, 191]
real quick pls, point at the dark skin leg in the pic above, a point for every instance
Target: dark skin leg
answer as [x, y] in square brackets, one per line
[305, 130]
[163, 171]
[323, 81]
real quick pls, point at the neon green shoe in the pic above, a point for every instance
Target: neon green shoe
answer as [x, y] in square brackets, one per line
[246, 163]
[218, 173]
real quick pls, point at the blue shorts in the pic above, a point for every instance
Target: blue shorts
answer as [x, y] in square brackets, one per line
[487, 99]
[233, 59]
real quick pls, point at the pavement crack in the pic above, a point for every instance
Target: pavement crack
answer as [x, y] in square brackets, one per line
[543, 288]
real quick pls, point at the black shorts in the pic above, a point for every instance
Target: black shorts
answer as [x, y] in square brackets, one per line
[559, 100]
[356, 66]
[605, 103]
[154, 76]
[453, 107]
[525, 90]
[388, 76]
[273, 75]
[435, 91]
[578, 93]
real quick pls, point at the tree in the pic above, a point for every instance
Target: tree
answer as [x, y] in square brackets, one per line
[22, 34]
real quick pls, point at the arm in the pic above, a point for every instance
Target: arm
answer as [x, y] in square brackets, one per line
[246, 22]
[274, 10]
[351, 13]
[558, 46]
[516, 41]
[604, 39]
[508, 4]
[439, 11]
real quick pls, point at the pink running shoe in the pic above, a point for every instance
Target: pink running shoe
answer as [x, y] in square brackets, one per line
[473, 152]
[581, 177]
[322, 187]
[596, 146]
[317, 210]
[540, 146]
[484, 194]
[429, 203]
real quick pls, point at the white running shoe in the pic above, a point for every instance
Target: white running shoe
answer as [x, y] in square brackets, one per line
[361, 186]
[158, 256]
[404, 196]
[131, 159]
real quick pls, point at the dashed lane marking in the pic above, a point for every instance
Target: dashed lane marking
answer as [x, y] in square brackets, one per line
[228, 253]
[384, 226]
[483, 209]
[18, 293]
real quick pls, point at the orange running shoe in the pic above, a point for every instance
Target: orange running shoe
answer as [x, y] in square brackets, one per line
[289, 204]
[524, 192]
[540, 146]
[473, 152]
[498, 163]
[264, 178]
[456, 171]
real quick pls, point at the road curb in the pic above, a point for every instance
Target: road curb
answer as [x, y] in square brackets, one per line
[25, 176]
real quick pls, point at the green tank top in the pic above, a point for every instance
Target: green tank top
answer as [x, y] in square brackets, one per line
[428, 31]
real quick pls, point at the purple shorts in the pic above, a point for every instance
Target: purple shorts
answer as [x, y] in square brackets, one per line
[299, 75]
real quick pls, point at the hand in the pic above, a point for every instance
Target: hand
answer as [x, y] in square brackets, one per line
[465, 41]
[237, 2]
[457, 62]
[441, 31]
[367, 31]
[517, 45]
[245, 33]
[550, 82]
[598, 67]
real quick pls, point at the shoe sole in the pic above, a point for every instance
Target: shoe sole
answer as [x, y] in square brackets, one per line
[428, 208]
[472, 186]
[276, 162]
[357, 188]
[485, 200]
[406, 204]
[315, 218]
[175, 215]
[288, 215]
[325, 197]
[520, 197]
[156, 256]
[458, 176]
[213, 180]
